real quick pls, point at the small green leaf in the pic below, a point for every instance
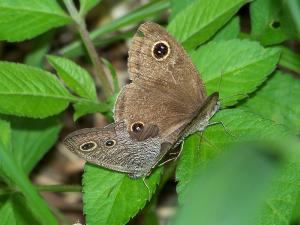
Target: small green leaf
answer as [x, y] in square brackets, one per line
[15, 173]
[31, 92]
[201, 19]
[266, 23]
[86, 107]
[14, 211]
[278, 100]
[230, 31]
[234, 68]
[77, 78]
[178, 6]
[32, 139]
[87, 5]
[20, 20]
[112, 197]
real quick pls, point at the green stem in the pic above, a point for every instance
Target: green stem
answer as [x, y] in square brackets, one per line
[81, 26]
[290, 60]
[58, 188]
[44, 188]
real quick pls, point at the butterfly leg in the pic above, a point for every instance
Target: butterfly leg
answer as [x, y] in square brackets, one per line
[223, 125]
[173, 158]
[149, 192]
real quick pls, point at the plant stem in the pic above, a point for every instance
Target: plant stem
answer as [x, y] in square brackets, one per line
[290, 60]
[81, 26]
[44, 188]
[58, 188]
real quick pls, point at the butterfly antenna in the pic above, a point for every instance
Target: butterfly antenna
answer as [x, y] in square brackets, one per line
[223, 125]
[149, 192]
[219, 85]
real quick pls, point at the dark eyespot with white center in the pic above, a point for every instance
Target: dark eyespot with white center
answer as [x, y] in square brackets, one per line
[88, 146]
[110, 143]
[161, 50]
[137, 127]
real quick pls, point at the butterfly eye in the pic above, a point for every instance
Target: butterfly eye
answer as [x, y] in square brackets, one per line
[160, 50]
[137, 127]
[88, 146]
[110, 143]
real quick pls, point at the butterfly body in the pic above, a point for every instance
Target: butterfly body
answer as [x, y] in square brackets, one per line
[165, 103]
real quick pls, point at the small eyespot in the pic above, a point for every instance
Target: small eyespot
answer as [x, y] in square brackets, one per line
[88, 146]
[110, 143]
[137, 127]
[161, 50]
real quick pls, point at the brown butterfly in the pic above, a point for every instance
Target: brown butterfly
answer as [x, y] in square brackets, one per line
[165, 102]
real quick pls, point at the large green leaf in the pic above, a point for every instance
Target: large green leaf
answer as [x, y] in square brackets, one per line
[20, 20]
[239, 177]
[31, 92]
[278, 100]
[15, 173]
[76, 78]
[234, 68]
[112, 197]
[201, 19]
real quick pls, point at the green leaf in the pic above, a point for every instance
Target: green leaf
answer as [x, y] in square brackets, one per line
[112, 197]
[41, 46]
[178, 6]
[12, 170]
[136, 16]
[234, 68]
[76, 78]
[86, 107]
[278, 100]
[14, 211]
[201, 20]
[241, 176]
[87, 5]
[32, 139]
[22, 20]
[266, 22]
[230, 31]
[31, 92]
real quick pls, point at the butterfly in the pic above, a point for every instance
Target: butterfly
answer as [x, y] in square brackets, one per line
[165, 102]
